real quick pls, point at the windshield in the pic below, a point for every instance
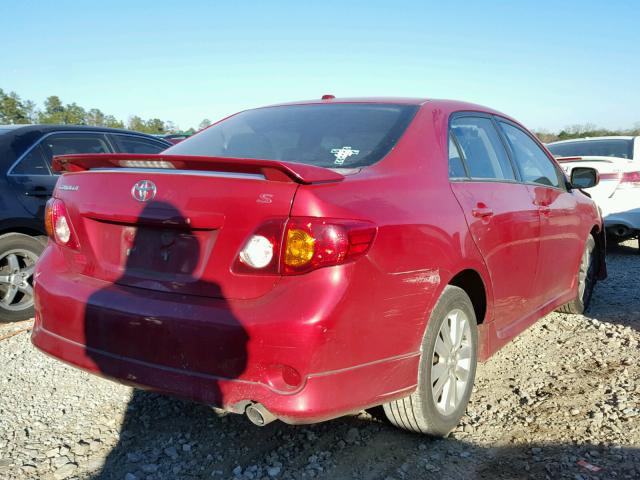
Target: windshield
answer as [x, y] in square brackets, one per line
[621, 148]
[334, 135]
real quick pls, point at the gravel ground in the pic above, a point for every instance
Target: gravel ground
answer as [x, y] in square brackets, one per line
[559, 402]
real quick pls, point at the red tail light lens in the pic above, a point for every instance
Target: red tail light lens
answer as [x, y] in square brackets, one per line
[58, 224]
[630, 179]
[303, 244]
[311, 243]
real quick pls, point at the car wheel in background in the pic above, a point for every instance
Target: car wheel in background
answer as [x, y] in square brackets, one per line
[18, 256]
[446, 372]
[586, 280]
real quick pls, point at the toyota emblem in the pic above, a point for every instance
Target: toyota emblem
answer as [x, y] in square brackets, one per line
[144, 190]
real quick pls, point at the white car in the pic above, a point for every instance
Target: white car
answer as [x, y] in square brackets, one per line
[617, 160]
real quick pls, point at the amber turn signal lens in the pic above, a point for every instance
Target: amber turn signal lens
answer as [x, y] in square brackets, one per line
[48, 217]
[299, 248]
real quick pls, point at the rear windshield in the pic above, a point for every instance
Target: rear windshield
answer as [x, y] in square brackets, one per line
[621, 148]
[334, 135]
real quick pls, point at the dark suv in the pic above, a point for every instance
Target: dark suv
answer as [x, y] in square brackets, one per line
[26, 182]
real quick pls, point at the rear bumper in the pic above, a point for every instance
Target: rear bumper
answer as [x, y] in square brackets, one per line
[323, 396]
[623, 208]
[286, 354]
[631, 221]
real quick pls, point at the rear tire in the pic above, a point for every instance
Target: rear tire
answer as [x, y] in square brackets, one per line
[446, 372]
[18, 255]
[586, 279]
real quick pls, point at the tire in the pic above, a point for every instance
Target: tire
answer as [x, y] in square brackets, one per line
[18, 255]
[425, 411]
[43, 239]
[586, 280]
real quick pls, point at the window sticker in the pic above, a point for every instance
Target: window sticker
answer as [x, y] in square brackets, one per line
[343, 153]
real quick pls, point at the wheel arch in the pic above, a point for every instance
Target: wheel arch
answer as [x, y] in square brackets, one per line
[480, 294]
[32, 232]
[471, 282]
[27, 226]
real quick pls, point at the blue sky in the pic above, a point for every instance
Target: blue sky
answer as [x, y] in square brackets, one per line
[549, 64]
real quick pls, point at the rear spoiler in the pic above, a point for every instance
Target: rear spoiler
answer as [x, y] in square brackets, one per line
[592, 158]
[271, 169]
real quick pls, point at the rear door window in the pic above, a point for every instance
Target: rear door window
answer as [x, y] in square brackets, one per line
[72, 143]
[535, 166]
[33, 163]
[456, 165]
[135, 144]
[481, 149]
[620, 148]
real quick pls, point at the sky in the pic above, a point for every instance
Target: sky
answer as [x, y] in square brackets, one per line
[549, 64]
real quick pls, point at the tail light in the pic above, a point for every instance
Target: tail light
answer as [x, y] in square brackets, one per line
[302, 244]
[58, 224]
[311, 243]
[630, 180]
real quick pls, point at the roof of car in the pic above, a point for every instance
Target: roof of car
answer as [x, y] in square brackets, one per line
[451, 105]
[55, 127]
[590, 139]
[394, 100]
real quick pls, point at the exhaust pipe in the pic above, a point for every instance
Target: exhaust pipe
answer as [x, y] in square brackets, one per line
[620, 231]
[259, 415]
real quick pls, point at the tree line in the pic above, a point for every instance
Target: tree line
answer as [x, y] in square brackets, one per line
[15, 110]
[584, 130]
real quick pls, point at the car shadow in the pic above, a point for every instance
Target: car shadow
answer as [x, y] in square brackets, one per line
[617, 299]
[166, 438]
[162, 437]
[164, 258]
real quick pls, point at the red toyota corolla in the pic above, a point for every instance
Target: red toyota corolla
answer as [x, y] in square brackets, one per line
[309, 260]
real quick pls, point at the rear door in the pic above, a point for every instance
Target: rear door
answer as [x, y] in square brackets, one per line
[32, 176]
[561, 232]
[499, 210]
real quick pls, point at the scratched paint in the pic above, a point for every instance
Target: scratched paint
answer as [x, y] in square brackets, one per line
[421, 277]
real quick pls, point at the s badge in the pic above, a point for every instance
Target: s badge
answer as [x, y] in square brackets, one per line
[265, 198]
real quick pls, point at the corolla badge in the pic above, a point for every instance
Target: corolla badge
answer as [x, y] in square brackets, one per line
[144, 190]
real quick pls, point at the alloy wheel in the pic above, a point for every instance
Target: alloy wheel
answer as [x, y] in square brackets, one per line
[16, 279]
[451, 362]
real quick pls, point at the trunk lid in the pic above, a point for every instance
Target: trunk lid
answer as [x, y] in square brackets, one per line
[609, 168]
[176, 229]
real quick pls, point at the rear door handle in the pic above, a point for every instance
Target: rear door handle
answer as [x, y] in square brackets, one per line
[544, 209]
[482, 212]
[38, 192]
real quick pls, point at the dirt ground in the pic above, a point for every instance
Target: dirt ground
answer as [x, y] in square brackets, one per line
[562, 401]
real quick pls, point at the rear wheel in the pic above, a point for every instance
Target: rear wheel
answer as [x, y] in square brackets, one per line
[586, 280]
[18, 256]
[447, 369]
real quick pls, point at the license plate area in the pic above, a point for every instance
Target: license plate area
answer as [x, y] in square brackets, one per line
[157, 252]
[164, 258]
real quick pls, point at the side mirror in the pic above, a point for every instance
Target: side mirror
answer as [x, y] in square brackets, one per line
[584, 177]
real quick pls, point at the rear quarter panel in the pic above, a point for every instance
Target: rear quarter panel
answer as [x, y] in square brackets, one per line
[421, 243]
